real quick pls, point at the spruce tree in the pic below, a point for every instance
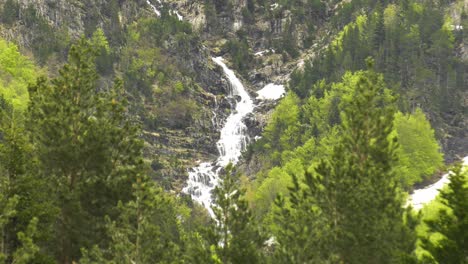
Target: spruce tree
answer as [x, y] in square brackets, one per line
[359, 190]
[451, 222]
[301, 232]
[351, 200]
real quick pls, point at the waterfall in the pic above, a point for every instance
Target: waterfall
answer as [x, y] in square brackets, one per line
[155, 10]
[158, 13]
[233, 140]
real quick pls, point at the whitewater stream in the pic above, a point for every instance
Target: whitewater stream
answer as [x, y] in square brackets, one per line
[421, 197]
[233, 140]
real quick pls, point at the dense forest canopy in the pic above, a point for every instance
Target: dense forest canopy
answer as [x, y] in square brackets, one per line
[105, 105]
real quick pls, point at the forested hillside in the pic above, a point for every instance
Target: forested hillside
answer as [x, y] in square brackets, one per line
[141, 131]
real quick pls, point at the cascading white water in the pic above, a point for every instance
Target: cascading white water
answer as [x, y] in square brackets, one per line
[155, 10]
[158, 13]
[233, 140]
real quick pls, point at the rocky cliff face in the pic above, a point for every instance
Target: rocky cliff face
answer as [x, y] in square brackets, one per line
[170, 149]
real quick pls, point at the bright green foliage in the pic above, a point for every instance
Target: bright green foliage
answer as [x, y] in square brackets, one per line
[451, 223]
[283, 127]
[234, 236]
[276, 182]
[356, 190]
[16, 73]
[87, 148]
[323, 112]
[419, 153]
[103, 59]
[147, 230]
[99, 40]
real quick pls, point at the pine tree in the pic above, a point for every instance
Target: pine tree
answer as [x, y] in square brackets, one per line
[234, 236]
[301, 231]
[451, 222]
[88, 149]
[360, 194]
[15, 246]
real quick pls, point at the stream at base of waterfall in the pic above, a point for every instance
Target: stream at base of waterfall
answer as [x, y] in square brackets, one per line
[421, 197]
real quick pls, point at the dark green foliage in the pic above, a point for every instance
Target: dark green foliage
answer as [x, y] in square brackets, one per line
[240, 53]
[289, 42]
[18, 184]
[87, 148]
[233, 236]
[451, 222]
[146, 231]
[359, 190]
[412, 46]
[301, 231]
[10, 12]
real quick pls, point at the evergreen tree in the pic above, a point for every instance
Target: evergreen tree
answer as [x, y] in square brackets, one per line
[234, 237]
[147, 230]
[15, 246]
[29, 194]
[87, 147]
[355, 191]
[357, 187]
[301, 231]
[451, 222]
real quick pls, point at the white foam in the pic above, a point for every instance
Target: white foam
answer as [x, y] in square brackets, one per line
[423, 196]
[233, 140]
[179, 16]
[155, 10]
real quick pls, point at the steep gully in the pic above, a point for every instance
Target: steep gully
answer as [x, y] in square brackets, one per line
[234, 139]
